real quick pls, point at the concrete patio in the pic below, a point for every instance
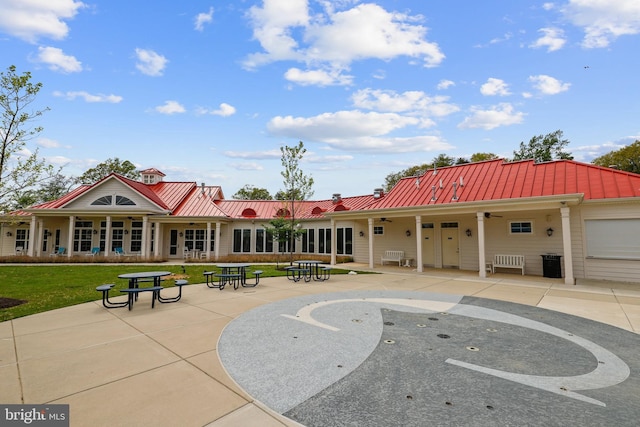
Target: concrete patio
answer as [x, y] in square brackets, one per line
[160, 366]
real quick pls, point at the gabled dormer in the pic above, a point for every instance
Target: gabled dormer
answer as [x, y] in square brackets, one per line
[151, 176]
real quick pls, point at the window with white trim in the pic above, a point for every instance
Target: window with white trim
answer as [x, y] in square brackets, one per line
[520, 227]
[378, 230]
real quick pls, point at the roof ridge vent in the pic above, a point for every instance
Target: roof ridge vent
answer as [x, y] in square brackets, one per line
[455, 191]
[378, 193]
[336, 198]
[433, 190]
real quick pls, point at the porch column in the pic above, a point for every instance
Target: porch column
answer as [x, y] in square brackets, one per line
[32, 236]
[334, 241]
[70, 236]
[216, 250]
[37, 251]
[208, 240]
[419, 243]
[145, 237]
[566, 245]
[107, 236]
[157, 240]
[482, 257]
[371, 263]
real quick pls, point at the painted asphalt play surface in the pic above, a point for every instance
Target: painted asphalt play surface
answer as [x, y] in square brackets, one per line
[382, 358]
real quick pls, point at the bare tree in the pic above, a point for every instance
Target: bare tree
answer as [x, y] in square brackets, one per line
[19, 172]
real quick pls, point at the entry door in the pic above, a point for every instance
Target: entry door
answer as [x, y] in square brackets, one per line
[450, 252]
[428, 245]
[173, 243]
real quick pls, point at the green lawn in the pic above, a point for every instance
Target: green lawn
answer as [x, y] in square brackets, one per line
[47, 287]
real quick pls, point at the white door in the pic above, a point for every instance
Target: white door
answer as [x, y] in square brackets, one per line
[450, 252]
[428, 245]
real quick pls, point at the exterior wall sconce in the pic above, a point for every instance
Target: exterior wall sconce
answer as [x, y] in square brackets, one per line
[549, 231]
[95, 231]
[126, 231]
[182, 234]
[468, 232]
[408, 233]
[9, 234]
[47, 233]
[361, 233]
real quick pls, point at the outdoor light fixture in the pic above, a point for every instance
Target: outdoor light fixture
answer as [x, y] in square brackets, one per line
[468, 232]
[126, 231]
[408, 233]
[95, 231]
[47, 233]
[549, 231]
[361, 233]
[182, 234]
[9, 234]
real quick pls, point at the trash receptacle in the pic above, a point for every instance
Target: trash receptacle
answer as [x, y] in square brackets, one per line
[551, 266]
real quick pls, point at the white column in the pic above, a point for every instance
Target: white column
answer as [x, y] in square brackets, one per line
[566, 245]
[157, 240]
[482, 257]
[371, 263]
[419, 243]
[208, 240]
[32, 236]
[107, 236]
[37, 251]
[216, 251]
[334, 242]
[145, 238]
[70, 236]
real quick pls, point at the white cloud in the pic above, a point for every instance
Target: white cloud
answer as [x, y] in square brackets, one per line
[247, 166]
[445, 84]
[604, 21]
[406, 102]
[495, 87]
[170, 107]
[333, 40]
[498, 115]
[33, 19]
[548, 85]
[260, 155]
[47, 143]
[223, 110]
[357, 131]
[150, 62]
[317, 77]
[58, 61]
[552, 38]
[112, 99]
[548, 6]
[203, 18]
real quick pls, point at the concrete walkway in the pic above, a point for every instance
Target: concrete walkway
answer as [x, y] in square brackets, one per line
[160, 366]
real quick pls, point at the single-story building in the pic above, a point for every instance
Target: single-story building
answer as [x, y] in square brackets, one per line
[578, 219]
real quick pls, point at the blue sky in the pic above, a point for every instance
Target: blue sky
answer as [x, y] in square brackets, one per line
[210, 91]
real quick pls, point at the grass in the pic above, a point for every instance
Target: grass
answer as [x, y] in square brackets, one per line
[48, 287]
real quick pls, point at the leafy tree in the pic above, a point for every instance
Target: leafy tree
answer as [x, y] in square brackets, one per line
[544, 148]
[249, 192]
[626, 159]
[298, 187]
[439, 161]
[126, 169]
[54, 188]
[481, 157]
[19, 173]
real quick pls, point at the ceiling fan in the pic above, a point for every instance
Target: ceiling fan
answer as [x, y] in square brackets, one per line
[385, 220]
[489, 215]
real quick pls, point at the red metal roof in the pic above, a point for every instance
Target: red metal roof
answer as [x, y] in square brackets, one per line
[500, 180]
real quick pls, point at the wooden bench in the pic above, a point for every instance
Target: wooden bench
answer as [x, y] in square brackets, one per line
[393, 256]
[508, 261]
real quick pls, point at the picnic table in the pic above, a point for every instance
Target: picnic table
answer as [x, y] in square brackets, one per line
[134, 288]
[232, 274]
[309, 269]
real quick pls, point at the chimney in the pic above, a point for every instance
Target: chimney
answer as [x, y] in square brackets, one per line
[378, 193]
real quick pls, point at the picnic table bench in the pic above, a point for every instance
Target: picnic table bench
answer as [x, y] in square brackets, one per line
[298, 273]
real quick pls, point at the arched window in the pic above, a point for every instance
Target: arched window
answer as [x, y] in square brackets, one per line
[341, 208]
[124, 201]
[248, 212]
[283, 212]
[317, 210]
[102, 201]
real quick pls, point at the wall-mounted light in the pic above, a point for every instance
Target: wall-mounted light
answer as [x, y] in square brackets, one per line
[95, 231]
[549, 231]
[361, 233]
[408, 233]
[126, 231]
[9, 234]
[47, 233]
[181, 234]
[468, 232]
